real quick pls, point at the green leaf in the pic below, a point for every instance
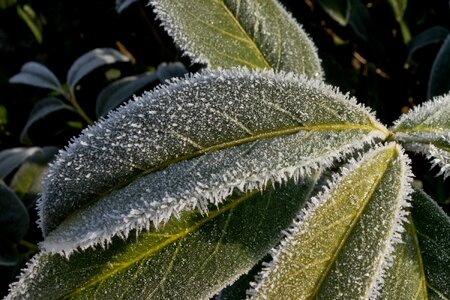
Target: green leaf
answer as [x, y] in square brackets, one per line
[3, 116]
[43, 108]
[439, 82]
[13, 215]
[224, 34]
[276, 118]
[426, 130]
[420, 270]
[12, 158]
[34, 22]
[27, 180]
[92, 60]
[121, 90]
[398, 7]
[337, 9]
[341, 244]
[192, 257]
[432, 35]
[9, 256]
[123, 4]
[36, 74]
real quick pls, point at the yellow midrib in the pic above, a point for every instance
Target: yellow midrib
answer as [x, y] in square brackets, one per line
[173, 238]
[259, 136]
[314, 293]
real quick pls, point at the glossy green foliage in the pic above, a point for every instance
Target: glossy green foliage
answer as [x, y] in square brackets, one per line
[255, 34]
[192, 257]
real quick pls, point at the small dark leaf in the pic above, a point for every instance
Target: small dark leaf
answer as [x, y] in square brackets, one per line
[36, 74]
[14, 157]
[27, 180]
[9, 256]
[166, 71]
[432, 35]
[33, 21]
[43, 108]
[121, 90]
[359, 18]
[14, 219]
[439, 82]
[122, 4]
[337, 9]
[91, 61]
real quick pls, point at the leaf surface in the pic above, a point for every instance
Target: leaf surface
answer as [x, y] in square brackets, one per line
[13, 215]
[12, 158]
[192, 257]
[91, 61]
[398, 7]
[341, 244]
[43, 108]
[426, 130]
[121, 90]
[421, 268]
[432, 35]
[36, 74]
[199, 115]
[439, 82]
[254, 33]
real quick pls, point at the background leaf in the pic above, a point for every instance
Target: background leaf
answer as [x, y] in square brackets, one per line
[36, 74]
[341, 244]
[91, 61]
[420, 270]
[432, 35]
[191, 117]
[339, 10]
[439, 82]
[10, 159]
[192, 257]
[399, 7]
[43, 108]
[233, 33]
[13, 216]
[121, 90]
[26, 182]
[33, 21]
[123, 4]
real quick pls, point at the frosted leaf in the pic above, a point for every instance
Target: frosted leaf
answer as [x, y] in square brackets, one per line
[251, 33]
[192, 257]
[191, 117]
[426, 129]
[421, 268]
[341, 244]
[195, 184]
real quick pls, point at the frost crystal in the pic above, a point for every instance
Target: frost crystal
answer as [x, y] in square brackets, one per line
[187, 118]
[341, 244]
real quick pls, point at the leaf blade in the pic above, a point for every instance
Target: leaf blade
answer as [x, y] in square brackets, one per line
[238, 34]
[331, 245]
[43, 108]
[92, 60]
[187, 119]
[36, 74]
[216, 249]
[438, 83]
[426, 130]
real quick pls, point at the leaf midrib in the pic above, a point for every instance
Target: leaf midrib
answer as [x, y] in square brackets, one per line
[333, 258]
[251, 41]
[172, 239]
[260, 136]
[423, 280]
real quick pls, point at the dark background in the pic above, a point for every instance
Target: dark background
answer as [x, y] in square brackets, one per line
[370, 59]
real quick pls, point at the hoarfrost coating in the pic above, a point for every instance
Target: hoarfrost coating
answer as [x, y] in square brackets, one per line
[181, 120]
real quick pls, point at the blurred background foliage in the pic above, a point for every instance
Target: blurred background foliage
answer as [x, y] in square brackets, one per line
[90, 56]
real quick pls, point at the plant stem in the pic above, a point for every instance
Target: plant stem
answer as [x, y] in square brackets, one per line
[80, 111]
[32, 247]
